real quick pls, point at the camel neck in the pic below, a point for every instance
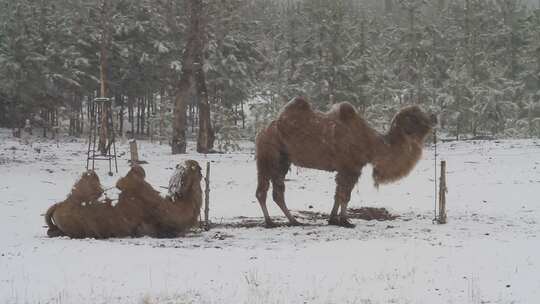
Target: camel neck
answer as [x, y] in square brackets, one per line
[396, 156]
[193, 194]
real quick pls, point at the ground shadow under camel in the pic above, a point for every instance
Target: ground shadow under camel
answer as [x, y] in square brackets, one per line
[312, 218]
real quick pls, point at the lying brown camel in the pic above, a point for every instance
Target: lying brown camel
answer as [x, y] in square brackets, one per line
[140, 209]
[339, 140]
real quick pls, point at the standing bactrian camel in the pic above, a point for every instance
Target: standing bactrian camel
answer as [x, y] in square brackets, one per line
[339, 140]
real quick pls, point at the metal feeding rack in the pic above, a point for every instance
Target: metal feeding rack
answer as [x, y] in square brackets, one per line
[101, 122]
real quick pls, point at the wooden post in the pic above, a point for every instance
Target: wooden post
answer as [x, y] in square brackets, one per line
[207, 197]
[442, 194]
[134, 152]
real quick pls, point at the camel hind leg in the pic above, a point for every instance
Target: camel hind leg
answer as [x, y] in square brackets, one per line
[278, 186]
[278, 194]
[276, 175]
[263, 184]
[273, 167]
[267, 155]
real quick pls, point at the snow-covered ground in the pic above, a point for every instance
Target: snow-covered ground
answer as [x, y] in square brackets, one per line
[487, 253]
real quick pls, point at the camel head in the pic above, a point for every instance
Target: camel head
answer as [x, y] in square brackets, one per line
[186, 176]
[87, 188]
[403, 150]
[412, 121]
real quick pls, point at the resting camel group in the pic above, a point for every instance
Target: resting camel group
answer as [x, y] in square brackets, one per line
[339, 140]
[139, 211]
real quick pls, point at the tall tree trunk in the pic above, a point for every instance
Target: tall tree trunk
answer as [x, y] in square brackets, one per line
[121, 115]
[143, 114]
[442, 5]
[105, 41]
[205, 140]
[242, 113]
[149, 112]
[161, 114]
[388, 6]
[131, 114]
[80, 119]
[73, 116]
[182, 94]
[191, 111]
[138, 115]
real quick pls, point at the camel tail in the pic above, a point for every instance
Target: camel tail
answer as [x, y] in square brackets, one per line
[53, 230]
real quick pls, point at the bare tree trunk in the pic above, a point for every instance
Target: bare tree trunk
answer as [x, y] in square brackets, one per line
[121, 115]
[149, 107]
[205, 140]
[388, 6]
[138, 100]
[182, 94]
[143, 114]
[73, 116]
[243, 114]
[161, 114]
[442, 5]
[191, 112]
[81, 116]
[104, 46]
[131, 114]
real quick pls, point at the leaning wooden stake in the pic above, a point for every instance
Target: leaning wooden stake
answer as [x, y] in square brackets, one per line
[442, 194]
[135, 154]
[207, 197]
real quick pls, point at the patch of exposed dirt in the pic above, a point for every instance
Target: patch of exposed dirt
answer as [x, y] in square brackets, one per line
[371, 213]
[364, 213]
[242, 222]
[310, 218]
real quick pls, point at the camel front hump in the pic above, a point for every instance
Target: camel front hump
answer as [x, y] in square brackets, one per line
[309, 142]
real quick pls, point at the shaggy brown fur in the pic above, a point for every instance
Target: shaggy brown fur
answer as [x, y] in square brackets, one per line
[339, 140]
[140, 209]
